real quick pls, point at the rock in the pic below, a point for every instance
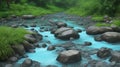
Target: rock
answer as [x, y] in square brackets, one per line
[87, 43]
[102, 64]
[61, 24]
[27, 63]
[35, 64]
[28, 45]
[14, 26]
[93, 30]
[8, 65]
[62, 29]
[33, 25]
[19, 49]
[115, 56]
[30, 38]
[97, 38]
[111, 37]
[51, 66]
[53, 31]
[13, 16]
[70, 56]
[51, 48]
[28, 17]
[31, 51]
[104, 52]
[115, 28]
[66, 33]
[13, 59]
[79, 30]
[44, 45]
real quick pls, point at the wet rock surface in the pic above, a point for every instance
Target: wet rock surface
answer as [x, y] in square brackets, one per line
[70, 56]
[65, 33]
[112, 37]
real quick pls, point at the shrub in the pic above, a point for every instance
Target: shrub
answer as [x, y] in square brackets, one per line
[10, 36]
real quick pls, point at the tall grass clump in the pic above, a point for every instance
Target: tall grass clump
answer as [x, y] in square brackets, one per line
[8, 37]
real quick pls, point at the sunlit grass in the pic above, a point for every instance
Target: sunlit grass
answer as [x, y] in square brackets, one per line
[8, 37]
[18, 9]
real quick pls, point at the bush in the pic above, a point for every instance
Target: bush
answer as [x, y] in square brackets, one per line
[10, 36]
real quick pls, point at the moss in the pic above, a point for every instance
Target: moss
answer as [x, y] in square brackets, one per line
[10, 36]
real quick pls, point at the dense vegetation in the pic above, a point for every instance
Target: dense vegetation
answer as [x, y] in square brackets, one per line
[8, 37]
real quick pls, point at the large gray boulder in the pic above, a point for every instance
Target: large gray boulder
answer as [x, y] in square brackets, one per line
[94, 30]
[115, 57]
[111, 37]
[65, 33]
[70, 56]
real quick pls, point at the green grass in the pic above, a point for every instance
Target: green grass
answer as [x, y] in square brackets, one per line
[10, 36]
[85, 8]
[18, 9]
[116, 22]
[102, 24]
[98, 18]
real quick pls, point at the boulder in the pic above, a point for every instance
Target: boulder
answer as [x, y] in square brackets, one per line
[65, 33]
[61, 24]
[111, 37]
[13, 59]
[19, 49]
[104, 52]
[97, 38]
[115, 56]
[93, 30]
[51, 48]
[70, 56]
[28, 17]
[28, 45]
[27, 63]
[8, 65]
[30, 38]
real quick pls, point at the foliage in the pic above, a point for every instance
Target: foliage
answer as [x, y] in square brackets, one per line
[10, 36]
[116, 22]
[18, 9]
[99, 24]
[98, 18]
[95, 7]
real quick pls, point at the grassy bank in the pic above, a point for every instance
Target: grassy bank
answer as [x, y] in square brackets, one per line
[18, 9]
[97, 9]
[10, 36]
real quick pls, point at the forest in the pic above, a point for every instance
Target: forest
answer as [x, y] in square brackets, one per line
[59, 33]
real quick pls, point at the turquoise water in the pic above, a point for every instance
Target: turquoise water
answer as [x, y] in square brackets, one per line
[49, 57]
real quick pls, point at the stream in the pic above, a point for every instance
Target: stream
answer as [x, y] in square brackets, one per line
[46, 57]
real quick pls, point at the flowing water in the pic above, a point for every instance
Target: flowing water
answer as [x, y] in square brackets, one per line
[46, 57]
